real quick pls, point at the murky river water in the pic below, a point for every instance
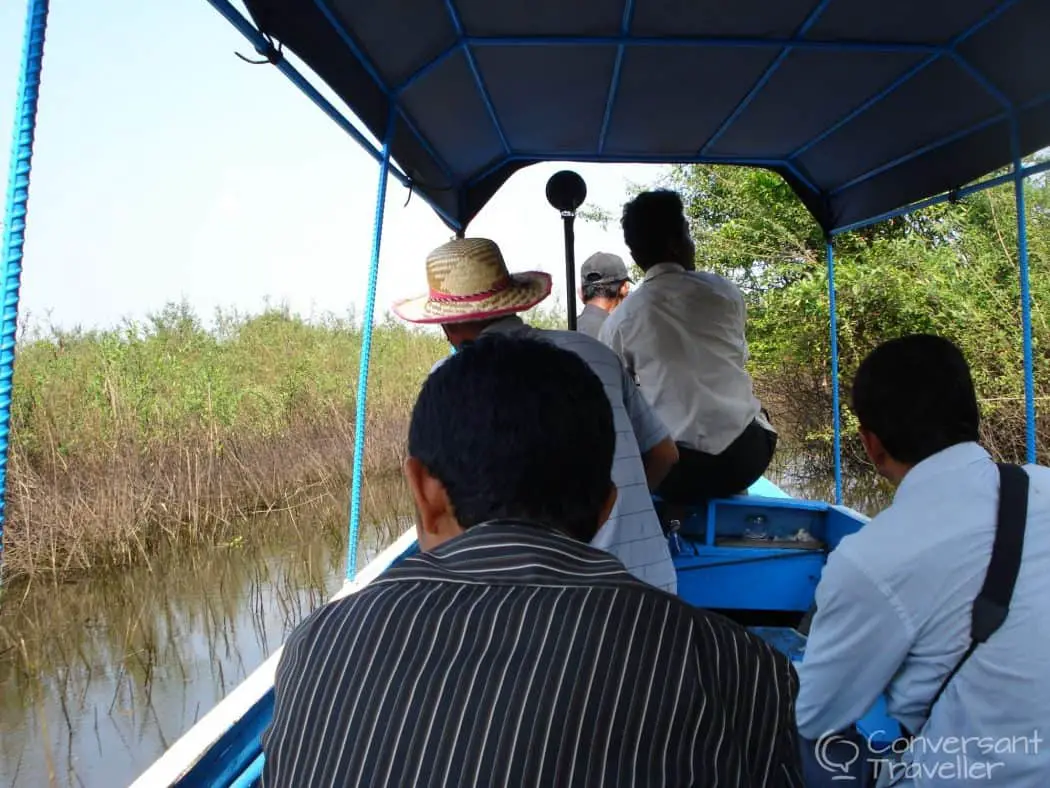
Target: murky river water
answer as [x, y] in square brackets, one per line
[99, 677]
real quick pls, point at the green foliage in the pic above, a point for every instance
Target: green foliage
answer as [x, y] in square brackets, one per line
[153, 382]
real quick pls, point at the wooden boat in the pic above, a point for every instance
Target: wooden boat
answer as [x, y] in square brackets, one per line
[868, 111]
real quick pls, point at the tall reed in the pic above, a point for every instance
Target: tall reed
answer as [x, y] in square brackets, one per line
[166, 432]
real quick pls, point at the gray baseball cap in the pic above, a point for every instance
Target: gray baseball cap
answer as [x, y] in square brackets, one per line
[603, 268]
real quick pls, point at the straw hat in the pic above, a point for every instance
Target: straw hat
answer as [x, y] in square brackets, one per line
[469, 281]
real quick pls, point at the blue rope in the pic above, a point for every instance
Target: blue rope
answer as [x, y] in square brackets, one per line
[834, 330]
[15, 212]
[366, 355]
[1026, 313]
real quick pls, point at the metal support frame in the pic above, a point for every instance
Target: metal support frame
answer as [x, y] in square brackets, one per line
[475, 72]
[863, 107]
[783, 45]
[935, 54]
[833, 329]
[1016, 176]
[391, 95]
[1026, 299]
[583, 157]
[261, 45]
[1002, 117]
[955, 194]
[767, 75]
[729, 42]
[625, 39]
[15, 213]
[614, 80]
[568, 219]
[366, 358]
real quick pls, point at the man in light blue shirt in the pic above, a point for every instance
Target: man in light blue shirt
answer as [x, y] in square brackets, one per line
[895, 600]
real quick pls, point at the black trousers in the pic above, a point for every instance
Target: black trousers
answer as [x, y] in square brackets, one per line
[698, 476]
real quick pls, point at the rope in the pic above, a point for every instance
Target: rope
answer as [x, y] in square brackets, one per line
[15, 212]
[366, 357]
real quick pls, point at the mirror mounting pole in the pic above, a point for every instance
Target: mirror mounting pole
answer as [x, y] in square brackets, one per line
[568, 219]
[566, 192]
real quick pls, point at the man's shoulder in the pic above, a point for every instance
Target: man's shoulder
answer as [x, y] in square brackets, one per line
[587, 347]
[712, 633]
[626, 313]
[590, 320]
[716, 629]
[855, 549]
[710, 282]
[884, 553]
[1039, 478]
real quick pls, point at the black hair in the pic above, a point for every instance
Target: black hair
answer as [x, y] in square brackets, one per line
[593, 290]
[516, 428]
[916, 395]
[653, 226]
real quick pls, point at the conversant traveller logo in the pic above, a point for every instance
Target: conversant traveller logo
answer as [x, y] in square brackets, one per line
[838, 754]
[951, 758]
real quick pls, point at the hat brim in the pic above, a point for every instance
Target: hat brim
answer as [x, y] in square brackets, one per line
[525, 291]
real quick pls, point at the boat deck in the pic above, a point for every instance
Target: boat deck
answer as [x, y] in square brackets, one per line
[757, 559]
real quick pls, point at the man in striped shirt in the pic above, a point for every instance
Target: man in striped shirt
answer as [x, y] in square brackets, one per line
[509, 652]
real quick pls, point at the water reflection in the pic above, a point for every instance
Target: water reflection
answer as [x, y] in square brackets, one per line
[98, 678]
[862, 490]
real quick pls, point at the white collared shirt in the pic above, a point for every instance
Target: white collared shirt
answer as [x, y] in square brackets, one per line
[681, 334]
[893, 612]
[632, 533]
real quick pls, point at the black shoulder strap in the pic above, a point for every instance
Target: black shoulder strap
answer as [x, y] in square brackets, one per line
[993, 602]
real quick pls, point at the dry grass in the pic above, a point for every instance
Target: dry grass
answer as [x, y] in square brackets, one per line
[128, 441]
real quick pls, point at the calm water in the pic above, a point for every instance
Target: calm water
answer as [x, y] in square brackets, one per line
[98, 678]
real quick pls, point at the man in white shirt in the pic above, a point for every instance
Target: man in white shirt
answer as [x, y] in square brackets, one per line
[681, 333]
[472, 294]
[895, 600]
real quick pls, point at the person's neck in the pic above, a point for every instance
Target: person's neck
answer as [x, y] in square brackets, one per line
[605, 304]
[894, 472]
[688, 266]
[458, 333]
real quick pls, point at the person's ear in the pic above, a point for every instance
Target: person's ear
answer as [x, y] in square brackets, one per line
[625, 288]
[435, 520]
[874, 449]
[607, 508]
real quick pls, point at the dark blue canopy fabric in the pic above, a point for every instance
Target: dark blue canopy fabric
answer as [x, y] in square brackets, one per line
[863, 106]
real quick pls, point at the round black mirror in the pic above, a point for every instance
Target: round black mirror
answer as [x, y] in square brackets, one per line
[566, 191]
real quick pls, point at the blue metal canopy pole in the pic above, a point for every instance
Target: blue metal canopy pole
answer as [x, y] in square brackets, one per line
[1026, 309]
[834, 331]
[366, 355]
[15, 212]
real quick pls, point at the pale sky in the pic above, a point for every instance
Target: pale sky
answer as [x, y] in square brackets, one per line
[167, 168]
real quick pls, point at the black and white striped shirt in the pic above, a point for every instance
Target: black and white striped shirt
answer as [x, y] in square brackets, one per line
[515, 656]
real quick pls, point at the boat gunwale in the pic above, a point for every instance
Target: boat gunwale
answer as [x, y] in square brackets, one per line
[177, 761]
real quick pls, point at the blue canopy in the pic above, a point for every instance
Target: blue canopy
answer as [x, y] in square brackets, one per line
[863, 106]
